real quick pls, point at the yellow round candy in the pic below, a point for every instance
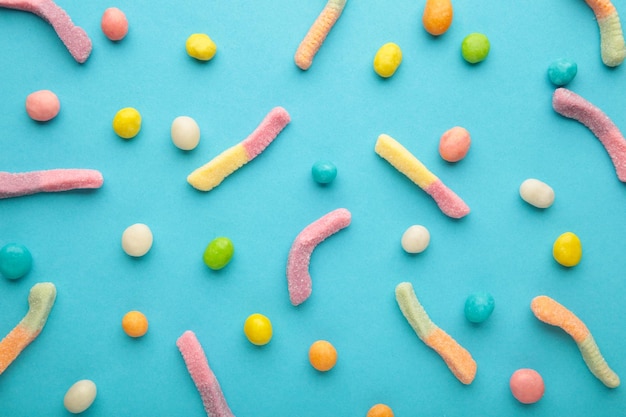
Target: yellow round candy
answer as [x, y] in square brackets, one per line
[387, 59]
[127, 123]
[567, 249]
[258, 329]
[201, 47]
[135, 324]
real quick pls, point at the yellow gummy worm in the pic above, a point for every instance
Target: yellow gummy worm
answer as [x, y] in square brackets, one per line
[458, 359]
[550, 311]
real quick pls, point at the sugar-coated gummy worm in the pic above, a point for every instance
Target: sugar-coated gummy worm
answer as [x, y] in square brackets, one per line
[40, 302]
[211, 174]
[74, 38]
[317, 33]
[47, 181]
[551, 312]
[573, 106]
[203, 377]
[612, 47]
[298, 276]
[458, 359]
[401, 159]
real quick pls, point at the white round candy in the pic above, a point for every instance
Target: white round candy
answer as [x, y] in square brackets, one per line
[80, 396]
[415, 239]
[185, 133]
[536, 193]
[137, 239]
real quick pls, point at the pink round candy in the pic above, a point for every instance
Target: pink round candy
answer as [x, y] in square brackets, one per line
[114, 24]
[454, 144]
[527, 386]
[42, 105]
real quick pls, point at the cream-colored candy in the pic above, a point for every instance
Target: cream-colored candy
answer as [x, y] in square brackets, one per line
[536, 193]
[185, 133]
[80, 396]
[415, 239]
[137, 239]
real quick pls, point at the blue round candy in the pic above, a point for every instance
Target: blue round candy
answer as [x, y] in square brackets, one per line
[15, 260]
[479, 306]
[324, 172]
[562, 71]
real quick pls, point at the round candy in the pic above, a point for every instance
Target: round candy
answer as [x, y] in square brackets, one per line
[114, 24]
[201, 47]
[258, 329]
[127, 123]
[527, 386]
[567, 249]
[479, 306]
[475, 48]
[80, 396]
[322, 355]
[137, 239]
[218, 253]
[562, 71]
[324, 172]
[185, 133]
[135, 324]
[415, 239]
[15, 260]
[387, 59]
[42, 105]
[454, 144]
[380, 410]
[536, 193]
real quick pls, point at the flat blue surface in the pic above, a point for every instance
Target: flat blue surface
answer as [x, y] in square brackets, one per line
[338, 109]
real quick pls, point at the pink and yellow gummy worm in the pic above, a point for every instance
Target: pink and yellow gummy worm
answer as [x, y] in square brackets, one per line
[612, 47]
[316, 35]
[211, 174]
[550, 311]
[401, 159]
[458, 359]
[40, 301]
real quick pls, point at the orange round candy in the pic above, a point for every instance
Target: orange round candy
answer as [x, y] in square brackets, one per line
[380, 410]
[135, 324]
[322, 355]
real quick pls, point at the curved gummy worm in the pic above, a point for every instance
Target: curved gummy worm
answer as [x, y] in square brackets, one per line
[40, 302]
[47, 181]
[211, 174]
[401, 159]
[75, 38]
[203, 377]
[573, 106]
[298, 277]
[458, 359]
[550, 311]
[612, 47]
[316, 35]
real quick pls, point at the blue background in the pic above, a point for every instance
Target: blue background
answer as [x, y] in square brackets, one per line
[338, 109]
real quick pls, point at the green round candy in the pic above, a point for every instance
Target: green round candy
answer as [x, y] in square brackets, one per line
[15, 260]
[218, 253]
[475, 47]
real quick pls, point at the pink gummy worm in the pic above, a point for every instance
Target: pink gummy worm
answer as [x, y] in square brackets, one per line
[273, 123]
[75, 38]
[298, 277]
[573, 106]
[450, 204]
[201, 374]
[25, 183]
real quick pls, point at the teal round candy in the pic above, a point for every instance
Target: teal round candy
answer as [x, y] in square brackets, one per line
[479, 306]
[218, 253]
[562, 71]
[324, 172]
[15, 260]
[475, 47]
